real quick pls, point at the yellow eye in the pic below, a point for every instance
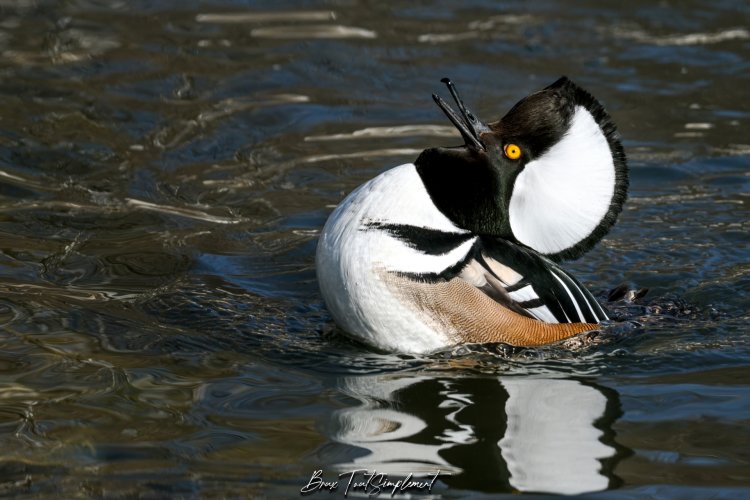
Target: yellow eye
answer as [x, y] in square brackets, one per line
[512, 151]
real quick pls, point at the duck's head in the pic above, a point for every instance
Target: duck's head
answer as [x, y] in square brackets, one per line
[551, 174]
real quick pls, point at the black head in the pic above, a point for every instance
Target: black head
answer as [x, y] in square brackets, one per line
[551, 174]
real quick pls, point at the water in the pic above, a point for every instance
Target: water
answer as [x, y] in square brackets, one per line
[165, 170]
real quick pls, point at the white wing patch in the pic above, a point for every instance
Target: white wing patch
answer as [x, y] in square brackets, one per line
[562, 196]
[474, 274]
[506, 274]
[542, 313]
[524, 294]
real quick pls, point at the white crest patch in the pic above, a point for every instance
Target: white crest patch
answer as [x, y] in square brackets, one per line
[562, 196]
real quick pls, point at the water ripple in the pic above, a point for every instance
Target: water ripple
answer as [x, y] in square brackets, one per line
[313, 31]
[265, 17]
[392, 131]
[688, 39]
[182, 212]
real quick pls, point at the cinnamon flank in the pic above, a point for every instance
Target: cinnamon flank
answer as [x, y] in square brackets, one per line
[463, 311]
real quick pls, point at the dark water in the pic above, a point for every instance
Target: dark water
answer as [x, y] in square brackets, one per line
[164, 173]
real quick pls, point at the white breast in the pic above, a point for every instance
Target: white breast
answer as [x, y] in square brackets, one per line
[351, 259]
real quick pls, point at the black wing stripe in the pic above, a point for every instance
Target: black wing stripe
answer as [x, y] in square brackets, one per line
[594, 307]
[530, 304]
[568, 299]
[600, 313]
[565, 298]
[582, 300]
[521, 307]
[557, 310]
[596, 310]
[487, 267]
[518, 286]
[498, 294]
[426, 240]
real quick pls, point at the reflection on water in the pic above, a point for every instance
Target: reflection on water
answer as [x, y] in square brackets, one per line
[552, 442]
[529, 434]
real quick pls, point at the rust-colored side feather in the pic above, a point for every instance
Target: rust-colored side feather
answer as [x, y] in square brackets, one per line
[468, 315]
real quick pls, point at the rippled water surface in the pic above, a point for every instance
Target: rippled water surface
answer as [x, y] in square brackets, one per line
[164, 173]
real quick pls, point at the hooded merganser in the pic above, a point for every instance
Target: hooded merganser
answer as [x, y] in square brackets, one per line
[461, 245]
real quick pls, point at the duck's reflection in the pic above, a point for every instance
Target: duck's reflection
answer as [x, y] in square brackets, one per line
[527, 434]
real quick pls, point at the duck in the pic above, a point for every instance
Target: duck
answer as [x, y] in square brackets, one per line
[465, 244]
